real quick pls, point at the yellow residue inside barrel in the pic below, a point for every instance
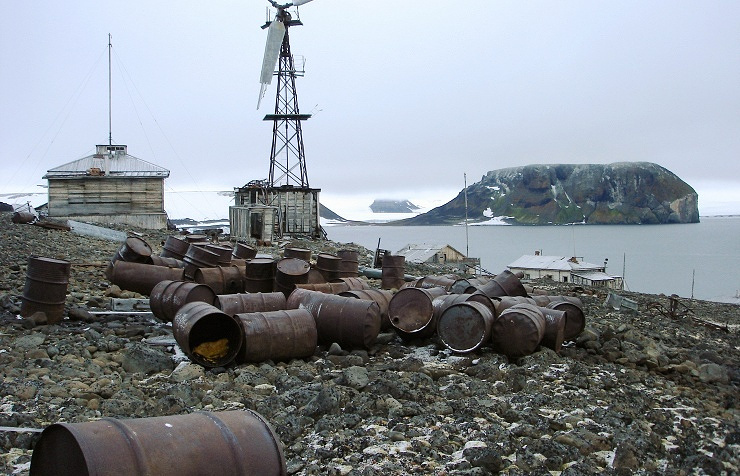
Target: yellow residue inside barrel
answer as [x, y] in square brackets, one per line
[214, 350]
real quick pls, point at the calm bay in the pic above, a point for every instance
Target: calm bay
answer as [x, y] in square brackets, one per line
[669, 259]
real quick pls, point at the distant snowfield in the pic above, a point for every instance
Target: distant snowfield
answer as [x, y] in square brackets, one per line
[714, 199]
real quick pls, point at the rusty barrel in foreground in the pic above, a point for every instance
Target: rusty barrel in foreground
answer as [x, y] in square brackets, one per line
[351, 323]
[349, 266]
[168, 296]
[259, 275]
[238, 442]
[45, 288]
[505, 283]
[222, 279]
[328, 288]
[290, 272]
[277, 335]
[142, 278]
[465, 326]
[381, 296]
[300, 253]
[243, 251]
[207, 335]
[198, 257]
[411, 311]
[174, 247]
[555, 322]
[518, 330]
[328, 266]
[240, 303]
[576, 321]
[393, 271]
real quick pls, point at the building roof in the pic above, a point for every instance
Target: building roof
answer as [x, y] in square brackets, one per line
[421, 252]
[595, 275]
[554, 263]
[120, 164]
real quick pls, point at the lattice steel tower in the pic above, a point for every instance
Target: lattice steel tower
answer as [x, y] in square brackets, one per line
[287, 157]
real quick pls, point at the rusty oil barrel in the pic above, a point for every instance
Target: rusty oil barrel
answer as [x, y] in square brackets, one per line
[236, 442]
[290, 272]
[328, 288]
[518, 330]
[393, 271]
[351, 323]
[381, 296]
[328, 265]
[168, 262]
[240, 303]
[465, 326]
[243, 251]
[134, 250]
[22, 218]
[460, 286]
[555, 323]
[349, 265]
[45, 288]
[259, 275]
[168, 296]
[277, 335]
[222, 279]
[196, 257]
[355, 283]
[505, 283]
[196, 238]
[444, 301]
[299, 253]
[174, 247]
[142, 278]
[576, 320]
[443, 281]
[476, 283]
[411, 311]
[207, 335]
[223, 252]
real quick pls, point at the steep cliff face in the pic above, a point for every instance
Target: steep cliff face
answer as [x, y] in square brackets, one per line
[619, 193]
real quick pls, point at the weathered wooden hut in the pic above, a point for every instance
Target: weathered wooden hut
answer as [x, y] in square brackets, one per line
[263, 214]
[109, 186]
[438, 254]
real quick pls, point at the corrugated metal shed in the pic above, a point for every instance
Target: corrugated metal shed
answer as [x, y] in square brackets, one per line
[423, 252]
[118, 164]
[554, 263]
[594, 275]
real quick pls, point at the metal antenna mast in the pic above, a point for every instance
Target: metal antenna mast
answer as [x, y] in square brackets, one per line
[287, 157]
[110, 102]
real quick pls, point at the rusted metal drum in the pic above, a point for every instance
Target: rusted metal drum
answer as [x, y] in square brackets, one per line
[243, 251]
[222, 279]
[142, 278]
[22, 218]
[207, 335]
[444, 282]
[505, 302]
[174, 247]
[441, 303]
[198, 257]
[237, 442]
[223, 252]
[355, 283]
[233, 304]
[315, 277]
[465, 326]
[45, 288]
[460, 286]
[259, 275]
[505, 283]
[300, 253]
[393, 271]
[518, 330]
[134, 250]
[476, 283]
[576, 320]
[168, 296]
[555, 322]
[411, 310]
[168, 262]
[290, 272]
[196, 238]
[277, 335]
[349, 265]
[328, 266]
[328, 288]
[351, 323]
[381, 296]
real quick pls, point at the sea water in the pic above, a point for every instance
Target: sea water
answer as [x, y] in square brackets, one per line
[702, 259]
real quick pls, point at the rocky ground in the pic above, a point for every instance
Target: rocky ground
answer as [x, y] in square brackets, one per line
[637, 392]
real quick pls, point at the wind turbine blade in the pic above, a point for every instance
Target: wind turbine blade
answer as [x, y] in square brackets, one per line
[298, 3]
[275, 35]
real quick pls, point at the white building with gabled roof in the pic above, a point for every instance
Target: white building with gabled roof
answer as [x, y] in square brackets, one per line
[565, 270]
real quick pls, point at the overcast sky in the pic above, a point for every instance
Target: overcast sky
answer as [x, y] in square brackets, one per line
[405, 94]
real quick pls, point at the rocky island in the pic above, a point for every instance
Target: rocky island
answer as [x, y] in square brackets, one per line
[618, 193]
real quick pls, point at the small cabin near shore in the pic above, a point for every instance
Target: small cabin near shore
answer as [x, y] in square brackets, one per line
[109, 186]
[565, 270]
[438, 254]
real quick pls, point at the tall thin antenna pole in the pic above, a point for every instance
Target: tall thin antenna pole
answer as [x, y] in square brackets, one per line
[693, 277]
[467, 248]
[110, 114]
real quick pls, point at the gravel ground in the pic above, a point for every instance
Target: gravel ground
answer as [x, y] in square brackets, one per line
[635, 393]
